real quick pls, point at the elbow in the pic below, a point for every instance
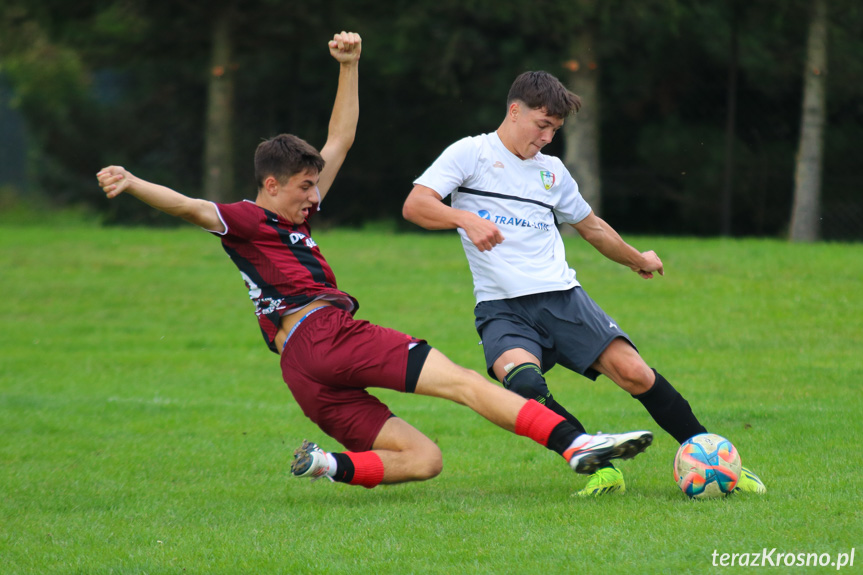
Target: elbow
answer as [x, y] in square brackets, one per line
[587, 235]
[341, 142]
[413, 211]
[349, 139]
[409, 210]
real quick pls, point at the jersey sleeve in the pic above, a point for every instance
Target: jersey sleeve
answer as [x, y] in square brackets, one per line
[572, 208]
[241, 219]
[452, 168]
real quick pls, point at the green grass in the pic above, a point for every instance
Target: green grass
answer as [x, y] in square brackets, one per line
[146, 429]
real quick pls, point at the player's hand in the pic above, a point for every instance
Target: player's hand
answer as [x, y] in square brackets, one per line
[650, 263]
[483, 234]
[346, 47]
[113, 180]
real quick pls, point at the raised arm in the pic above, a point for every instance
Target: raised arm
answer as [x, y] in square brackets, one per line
[609, 243]
[345, 47]
[115, 180]
[424, 207]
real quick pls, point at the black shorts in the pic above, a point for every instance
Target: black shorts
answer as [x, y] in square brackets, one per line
[561, 327]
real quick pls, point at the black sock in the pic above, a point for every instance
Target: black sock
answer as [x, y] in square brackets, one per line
[670, 410]
[344, 468]
[562, 436]
[553, 405]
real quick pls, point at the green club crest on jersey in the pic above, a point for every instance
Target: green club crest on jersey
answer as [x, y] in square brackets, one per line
[547, 179]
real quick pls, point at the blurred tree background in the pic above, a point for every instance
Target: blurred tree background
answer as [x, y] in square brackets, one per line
[692, 119]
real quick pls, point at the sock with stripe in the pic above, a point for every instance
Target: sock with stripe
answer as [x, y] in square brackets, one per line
[366, 468]
[545, 427]
[527, 381]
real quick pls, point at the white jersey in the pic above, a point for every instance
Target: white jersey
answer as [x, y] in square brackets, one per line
[526, 199]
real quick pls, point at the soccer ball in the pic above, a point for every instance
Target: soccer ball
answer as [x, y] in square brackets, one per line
[706, 466]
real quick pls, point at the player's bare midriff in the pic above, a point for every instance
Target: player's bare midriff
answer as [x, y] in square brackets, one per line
[291, 319]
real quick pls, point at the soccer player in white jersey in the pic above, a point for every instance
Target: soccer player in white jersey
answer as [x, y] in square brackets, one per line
[508, 199]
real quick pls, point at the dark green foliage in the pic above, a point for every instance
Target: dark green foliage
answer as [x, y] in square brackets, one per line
[124, 81]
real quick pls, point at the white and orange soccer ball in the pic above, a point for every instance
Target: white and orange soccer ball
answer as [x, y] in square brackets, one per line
[707, 466]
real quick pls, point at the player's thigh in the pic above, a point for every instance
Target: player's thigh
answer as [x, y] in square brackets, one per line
[441, 377]
[507, 340]
[399, 435]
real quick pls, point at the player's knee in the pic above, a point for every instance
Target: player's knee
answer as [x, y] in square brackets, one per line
[429, 463]
[434, 466]
[527, 381]
[635, 377]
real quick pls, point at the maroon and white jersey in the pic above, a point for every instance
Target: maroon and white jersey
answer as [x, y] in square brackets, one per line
[281, 264]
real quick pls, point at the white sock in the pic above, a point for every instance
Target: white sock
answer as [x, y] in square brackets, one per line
[331, 471]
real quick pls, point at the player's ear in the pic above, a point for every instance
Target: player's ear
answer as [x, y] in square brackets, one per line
[271, 185]
[514, 111]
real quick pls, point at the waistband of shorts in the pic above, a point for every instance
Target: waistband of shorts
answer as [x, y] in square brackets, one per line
[296, 325]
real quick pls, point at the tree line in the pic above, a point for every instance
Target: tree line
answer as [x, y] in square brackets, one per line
[708, 118]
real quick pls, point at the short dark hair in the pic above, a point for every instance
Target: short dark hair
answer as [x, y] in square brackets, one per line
[283, 156]
[542, 90]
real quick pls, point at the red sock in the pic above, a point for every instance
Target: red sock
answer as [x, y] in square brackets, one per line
[368, 468]
[536, 422]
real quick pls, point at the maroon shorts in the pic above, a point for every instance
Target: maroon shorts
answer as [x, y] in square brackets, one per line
[328, 362]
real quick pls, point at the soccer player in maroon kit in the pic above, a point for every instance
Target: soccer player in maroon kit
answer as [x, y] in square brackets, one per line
[328, 358]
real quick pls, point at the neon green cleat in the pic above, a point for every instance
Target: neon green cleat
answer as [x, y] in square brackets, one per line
[604, 481]
[749, 483]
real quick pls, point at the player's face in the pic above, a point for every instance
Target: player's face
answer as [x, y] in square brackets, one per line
[297, 196]
[534, 129]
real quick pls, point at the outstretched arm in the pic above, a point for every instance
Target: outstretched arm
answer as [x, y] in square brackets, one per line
[345, 48]
[424, 207]
[115, 180]
[609, 243]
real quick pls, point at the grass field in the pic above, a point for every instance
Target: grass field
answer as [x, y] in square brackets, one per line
[146, 429]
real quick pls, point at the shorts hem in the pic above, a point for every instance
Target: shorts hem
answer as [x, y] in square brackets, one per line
[368, 444]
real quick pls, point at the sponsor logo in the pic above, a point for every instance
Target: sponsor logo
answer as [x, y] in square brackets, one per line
[498, 164]
[513, 221]
[520, 222]
[297, 237]
[547, 179]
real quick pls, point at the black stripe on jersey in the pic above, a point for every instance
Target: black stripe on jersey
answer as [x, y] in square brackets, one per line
[304, 255]
[268, 292]
[505, 197]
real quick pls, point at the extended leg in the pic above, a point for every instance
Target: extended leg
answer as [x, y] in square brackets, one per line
[401, 453]
[621, 363]
[442, 378]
